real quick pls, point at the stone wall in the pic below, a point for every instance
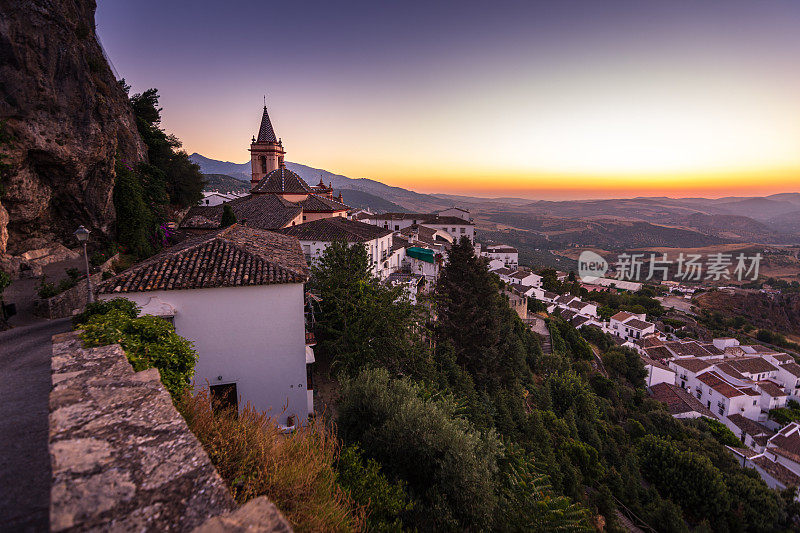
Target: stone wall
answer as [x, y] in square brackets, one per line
[64, 304]
[68, 302]
[124, 459]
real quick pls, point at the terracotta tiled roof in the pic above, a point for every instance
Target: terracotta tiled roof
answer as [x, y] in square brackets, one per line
[691, 364]
[550, 295]
[729, 370]
[722, 386]
[622, 316]
[566, 314]
[771, 389]
[503, 271]
[577, 305]
[234, 256]
[687, 348]
[751, 427]
[751, 365]
[336, 229]
[783, 358]
[792, 368]
[578, 321]
[678, 401]
[787, 442]
[319, 204]
[282, 180]
[658, 352]
[263, 211]
[648, 342]
[710, 348]
[777, 471]
[640, 325]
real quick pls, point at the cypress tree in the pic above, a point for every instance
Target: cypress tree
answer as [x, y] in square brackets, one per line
[228, 217]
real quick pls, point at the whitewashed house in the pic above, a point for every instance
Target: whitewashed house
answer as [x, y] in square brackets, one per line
[212, 198]
[631, 326]
[507, 254]
[237, 294]
[317, 235]
[456, 226]
[657, 372]
[526, 278]
[455, 212]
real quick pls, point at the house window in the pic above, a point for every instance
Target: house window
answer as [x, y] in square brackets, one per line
[396, 227]
[224, 398]
[206, 201]
[463, 230]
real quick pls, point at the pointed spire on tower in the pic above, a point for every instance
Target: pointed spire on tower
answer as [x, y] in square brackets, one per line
[265, 133]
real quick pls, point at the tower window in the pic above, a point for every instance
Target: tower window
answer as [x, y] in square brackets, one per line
[263, 164]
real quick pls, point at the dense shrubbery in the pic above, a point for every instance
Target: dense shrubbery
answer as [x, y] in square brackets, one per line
[609, 303]
[448, 465]
[369, 488]
[570, 442]
[296, 472]
[148, 341]
[785, 415]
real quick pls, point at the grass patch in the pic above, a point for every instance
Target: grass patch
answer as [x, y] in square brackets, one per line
[296, 472]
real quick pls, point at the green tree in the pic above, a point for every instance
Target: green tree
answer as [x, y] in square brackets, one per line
[136, 222]
[528, 503]
[182, 178]
[685, 477]
[361, 322]
[476, 322]
[448, 465]
[369, 487]
[228, 217]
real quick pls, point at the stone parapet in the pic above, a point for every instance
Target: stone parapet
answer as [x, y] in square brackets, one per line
[124, 459]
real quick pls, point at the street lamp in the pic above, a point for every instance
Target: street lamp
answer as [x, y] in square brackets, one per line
[82, 234]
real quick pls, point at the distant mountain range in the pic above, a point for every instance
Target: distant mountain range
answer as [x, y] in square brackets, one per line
[613, 223]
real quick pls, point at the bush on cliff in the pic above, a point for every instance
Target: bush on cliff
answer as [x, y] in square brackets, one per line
[148, 342]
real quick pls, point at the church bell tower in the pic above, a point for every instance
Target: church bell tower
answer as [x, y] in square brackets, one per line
[266, 151]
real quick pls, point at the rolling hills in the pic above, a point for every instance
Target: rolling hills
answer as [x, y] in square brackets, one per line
[611, 223]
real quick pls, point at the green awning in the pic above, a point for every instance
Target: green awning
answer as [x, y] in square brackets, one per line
[423, 254]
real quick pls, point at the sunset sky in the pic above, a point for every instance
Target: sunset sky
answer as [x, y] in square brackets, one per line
[553, 99]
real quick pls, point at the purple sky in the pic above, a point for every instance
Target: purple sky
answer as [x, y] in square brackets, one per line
[453, 95]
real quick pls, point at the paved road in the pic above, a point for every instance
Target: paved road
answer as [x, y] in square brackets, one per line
[24, 459]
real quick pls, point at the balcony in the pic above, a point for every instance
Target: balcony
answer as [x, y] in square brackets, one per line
[310, 340]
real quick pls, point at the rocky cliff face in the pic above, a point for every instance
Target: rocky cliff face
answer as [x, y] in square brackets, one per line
[68, 119]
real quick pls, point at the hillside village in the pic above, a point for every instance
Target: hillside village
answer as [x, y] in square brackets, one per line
[284, 226]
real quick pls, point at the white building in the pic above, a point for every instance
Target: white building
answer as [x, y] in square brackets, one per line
[657, 372]
[507, 254]
[630, 326]
[456, 226]
[238, 295]
[211, 198]
[455, 212]
[526, 278]
[317, 235]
